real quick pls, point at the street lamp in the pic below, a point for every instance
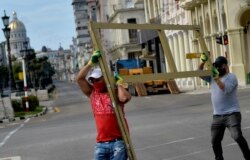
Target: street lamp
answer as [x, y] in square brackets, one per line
[24, 57]
[6, 31]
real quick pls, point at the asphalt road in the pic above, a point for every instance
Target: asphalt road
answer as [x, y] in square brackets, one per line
[162, 127]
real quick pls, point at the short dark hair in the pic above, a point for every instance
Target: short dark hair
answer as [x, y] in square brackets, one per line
[219, 61]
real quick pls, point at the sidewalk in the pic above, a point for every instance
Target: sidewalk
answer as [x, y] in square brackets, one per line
[200, 90]
[47, 108]
[205, 89]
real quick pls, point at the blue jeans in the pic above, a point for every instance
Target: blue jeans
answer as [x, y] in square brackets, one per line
[115, 150]
[233, 123]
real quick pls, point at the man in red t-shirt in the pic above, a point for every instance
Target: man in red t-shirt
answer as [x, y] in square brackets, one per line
[110, 145]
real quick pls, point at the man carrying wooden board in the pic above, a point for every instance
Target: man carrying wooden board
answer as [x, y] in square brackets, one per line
[109, 142]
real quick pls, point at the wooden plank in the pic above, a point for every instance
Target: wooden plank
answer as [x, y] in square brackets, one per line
[172, 86]
[138, 91]
[193, 55]
[165, 76]
[144, 90]
[141, 89]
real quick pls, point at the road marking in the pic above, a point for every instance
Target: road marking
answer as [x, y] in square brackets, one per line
[186, 155]
[12, 124]
[246, 128]
[231, 144]
[12, 132]
[247, 111]
[163, 144]
[196, 152]
[11, 158]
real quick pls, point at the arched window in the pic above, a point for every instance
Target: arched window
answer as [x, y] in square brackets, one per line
[202, 26]
[224, 20]
[215, 22]
[194, 22]
[208, 28]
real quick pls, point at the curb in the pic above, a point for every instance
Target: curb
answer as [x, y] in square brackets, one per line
[44, 111]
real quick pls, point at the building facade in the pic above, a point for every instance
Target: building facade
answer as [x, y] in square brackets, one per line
[62, 61]
[224, 21]
[121, 44]
[81, 15]
[180, 42]
[221, 19]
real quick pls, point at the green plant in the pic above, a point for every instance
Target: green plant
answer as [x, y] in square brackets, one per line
[4, 77]
[16, 105]
[33, 102]
[39, 109]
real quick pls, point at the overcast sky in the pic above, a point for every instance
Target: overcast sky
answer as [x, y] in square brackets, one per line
[47, 22]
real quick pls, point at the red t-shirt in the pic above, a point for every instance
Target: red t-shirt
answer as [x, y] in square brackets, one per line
[106, 124]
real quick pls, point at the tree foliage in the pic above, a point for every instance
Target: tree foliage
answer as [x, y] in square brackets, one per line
[39, 71]
[42, 72]
[4, 78]
[17, 68]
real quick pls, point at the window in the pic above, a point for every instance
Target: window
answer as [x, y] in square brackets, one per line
[132, 32]
[208, 28]
[131, 55]
[129, 4]
[215, 22]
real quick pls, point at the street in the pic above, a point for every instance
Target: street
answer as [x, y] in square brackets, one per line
[162, 127]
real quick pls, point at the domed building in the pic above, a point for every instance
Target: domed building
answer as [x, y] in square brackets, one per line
[17, 36]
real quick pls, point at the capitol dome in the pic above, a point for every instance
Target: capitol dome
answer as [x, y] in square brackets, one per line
[17, 35]
[16, 25]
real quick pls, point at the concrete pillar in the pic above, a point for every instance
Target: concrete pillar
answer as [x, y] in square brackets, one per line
[236, 50]
[176, 52]
[190, 80]
[195, 45]
[214, 49]
[150, 8]
[177, 56]
[181, 52]
[146, 11]
[210, 13]
[171, 45]
[154, 9]
[182, 56]
[187, 50]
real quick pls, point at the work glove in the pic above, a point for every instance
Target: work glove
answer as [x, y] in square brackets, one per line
[203, 57]
[118, 79]
[215, 73]
[94, 58]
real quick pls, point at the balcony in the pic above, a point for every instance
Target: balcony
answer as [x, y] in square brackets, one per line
[138, 1]
[190, 4]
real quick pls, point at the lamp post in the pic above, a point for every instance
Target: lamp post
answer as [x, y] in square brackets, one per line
[6, 31]
[27, 54]
[24, 56]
